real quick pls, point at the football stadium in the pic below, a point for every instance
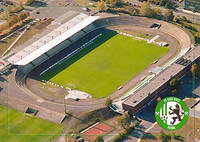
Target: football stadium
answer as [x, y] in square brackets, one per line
[91, 56]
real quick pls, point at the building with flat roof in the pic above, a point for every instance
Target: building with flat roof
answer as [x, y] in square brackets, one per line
[193, 5]
[161, 83]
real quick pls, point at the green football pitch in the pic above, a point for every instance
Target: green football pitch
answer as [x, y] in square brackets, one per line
[18, 127]
[109, 62]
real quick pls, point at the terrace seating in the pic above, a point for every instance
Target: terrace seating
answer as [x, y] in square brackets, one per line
[183, 61]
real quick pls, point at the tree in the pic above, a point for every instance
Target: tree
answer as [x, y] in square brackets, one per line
[101, 5]
[114, 3]
[174, 83]
[146, 10]
[165, 137]
[125, 120]
[197, 37]
[158, 100]
[108, 102]
[99, 139]
[28, 2]
[177, 19]
[174, 91]
[24, 15]
[195, 70]
[157, 13]
[157, 2]
[132, 10]
[7, 12]
[168, 15]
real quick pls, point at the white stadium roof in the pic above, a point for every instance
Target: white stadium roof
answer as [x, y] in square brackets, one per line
[52, 39]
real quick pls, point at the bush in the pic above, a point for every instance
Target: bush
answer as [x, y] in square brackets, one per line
[99, 139]
[188, 26]
[108, 102]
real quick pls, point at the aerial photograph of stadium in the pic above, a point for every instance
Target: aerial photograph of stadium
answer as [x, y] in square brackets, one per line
[99, 71]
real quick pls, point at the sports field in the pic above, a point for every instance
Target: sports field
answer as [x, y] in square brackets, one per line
[17, 127]
[107, 63]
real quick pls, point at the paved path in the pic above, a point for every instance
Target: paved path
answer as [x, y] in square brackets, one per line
[194, 113]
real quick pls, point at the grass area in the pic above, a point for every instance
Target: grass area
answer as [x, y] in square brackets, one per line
[115, 60]
[17, 127]
[188, 133]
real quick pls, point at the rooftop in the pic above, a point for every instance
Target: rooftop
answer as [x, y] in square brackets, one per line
[52, 39]
[160, 80]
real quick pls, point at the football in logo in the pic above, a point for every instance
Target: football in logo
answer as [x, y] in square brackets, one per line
[171, 113]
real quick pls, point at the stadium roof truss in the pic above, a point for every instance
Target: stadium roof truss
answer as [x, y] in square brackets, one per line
[52, 39]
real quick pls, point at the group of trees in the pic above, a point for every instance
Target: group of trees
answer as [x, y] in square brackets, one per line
[99, 139]
[165, 3]
[169, 137]
[184, 22]
[12, 22]
[146, 10]
[25, 2]
[174, 85]
[103, 4]
[13, 16]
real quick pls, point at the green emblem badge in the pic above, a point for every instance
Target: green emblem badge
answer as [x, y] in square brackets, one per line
[171, 113]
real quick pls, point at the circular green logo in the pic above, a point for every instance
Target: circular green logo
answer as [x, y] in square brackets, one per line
[171, 113]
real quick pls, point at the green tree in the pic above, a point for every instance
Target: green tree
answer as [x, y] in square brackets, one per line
[174, 83]
[158, 100]
[168, 15]
[174, 91]
[157, 13]
[125, 121]
[165, 137]
[99, 139]
[114, 3]
[108, 102]
[146, 10]
[195, 70]
[155, 1]
[101, 5]
[29, 2]
[7, 12]
[197, 37]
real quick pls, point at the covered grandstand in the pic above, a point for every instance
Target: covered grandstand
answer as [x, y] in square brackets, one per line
[53, 42]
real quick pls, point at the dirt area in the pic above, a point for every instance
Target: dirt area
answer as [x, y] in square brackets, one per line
[66, 2]
[5, 44]
[45, 88]
[138, 33]
[189, 133]
[35, 29]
